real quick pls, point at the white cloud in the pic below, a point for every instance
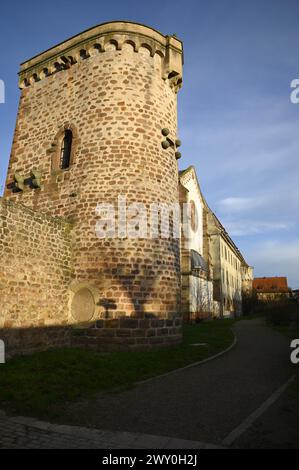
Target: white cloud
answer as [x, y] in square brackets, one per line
[248, 227]
[239, 204]
[276, 258]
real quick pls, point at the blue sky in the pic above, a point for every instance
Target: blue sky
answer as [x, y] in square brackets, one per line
[237, 124]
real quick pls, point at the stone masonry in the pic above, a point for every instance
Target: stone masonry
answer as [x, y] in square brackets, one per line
[36, 266]
[114, 87]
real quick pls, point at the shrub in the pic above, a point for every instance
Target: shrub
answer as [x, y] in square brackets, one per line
[282, 312]
[249, 302]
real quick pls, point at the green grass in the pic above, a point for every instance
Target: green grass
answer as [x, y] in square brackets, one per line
[292, 333]
[41, 384]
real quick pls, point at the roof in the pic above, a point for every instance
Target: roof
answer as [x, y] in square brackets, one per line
[271, 284]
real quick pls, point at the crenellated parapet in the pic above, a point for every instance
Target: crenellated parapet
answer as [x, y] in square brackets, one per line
[101, 38]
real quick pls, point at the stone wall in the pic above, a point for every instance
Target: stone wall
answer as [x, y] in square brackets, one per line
[123, 334]
[35, 272]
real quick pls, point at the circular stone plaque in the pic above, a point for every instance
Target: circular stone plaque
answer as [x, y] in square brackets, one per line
[83, 305]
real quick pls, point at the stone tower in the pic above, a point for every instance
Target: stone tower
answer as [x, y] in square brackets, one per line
[92, 118]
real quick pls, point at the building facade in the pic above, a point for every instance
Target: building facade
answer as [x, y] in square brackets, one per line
[231, 273]
[271, 288]
[215, 274]
[196, 262]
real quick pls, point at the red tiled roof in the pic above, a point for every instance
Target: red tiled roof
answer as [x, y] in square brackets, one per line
[270, 284]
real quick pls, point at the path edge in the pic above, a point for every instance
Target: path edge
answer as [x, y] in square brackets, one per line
[194, 364]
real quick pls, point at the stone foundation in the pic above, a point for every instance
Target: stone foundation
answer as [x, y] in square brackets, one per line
[123, 334]
[23, 341]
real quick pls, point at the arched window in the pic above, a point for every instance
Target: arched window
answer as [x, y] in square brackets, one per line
[66, 149]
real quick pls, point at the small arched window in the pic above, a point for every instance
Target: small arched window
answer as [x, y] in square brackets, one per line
[66, 149]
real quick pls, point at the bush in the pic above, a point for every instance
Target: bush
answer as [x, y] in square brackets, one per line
[249, 302]
[281, 313]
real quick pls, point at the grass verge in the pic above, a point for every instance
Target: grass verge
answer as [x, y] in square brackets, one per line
[41, 384]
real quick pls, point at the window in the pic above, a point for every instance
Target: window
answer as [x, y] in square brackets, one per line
[66, 149]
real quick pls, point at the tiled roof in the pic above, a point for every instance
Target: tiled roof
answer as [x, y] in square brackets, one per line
[270, 284]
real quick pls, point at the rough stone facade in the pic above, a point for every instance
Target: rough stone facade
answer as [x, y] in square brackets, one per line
[121, 334]
[35, 270]
[115, 88]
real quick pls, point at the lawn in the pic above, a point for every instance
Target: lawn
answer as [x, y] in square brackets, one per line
[41, 384]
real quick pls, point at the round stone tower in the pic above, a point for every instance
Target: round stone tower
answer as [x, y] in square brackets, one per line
[97, 125]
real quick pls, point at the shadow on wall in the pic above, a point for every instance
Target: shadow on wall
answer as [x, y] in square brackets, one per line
[147, 285]
[118, 334]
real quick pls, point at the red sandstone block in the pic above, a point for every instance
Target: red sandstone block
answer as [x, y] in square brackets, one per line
[142, 341]
[156, 340]
[162, 331]
[102, 332]
[114, 323]
[139, 332]
[79, 332]
[123, 332]
[151, 332]
[128, 322]
[144, 323]
[123, 341]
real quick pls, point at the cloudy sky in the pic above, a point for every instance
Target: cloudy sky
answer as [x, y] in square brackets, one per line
[237, 123]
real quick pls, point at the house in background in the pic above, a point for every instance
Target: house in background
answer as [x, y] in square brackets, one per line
[271, 288]
[231, 273]
[214, 272]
